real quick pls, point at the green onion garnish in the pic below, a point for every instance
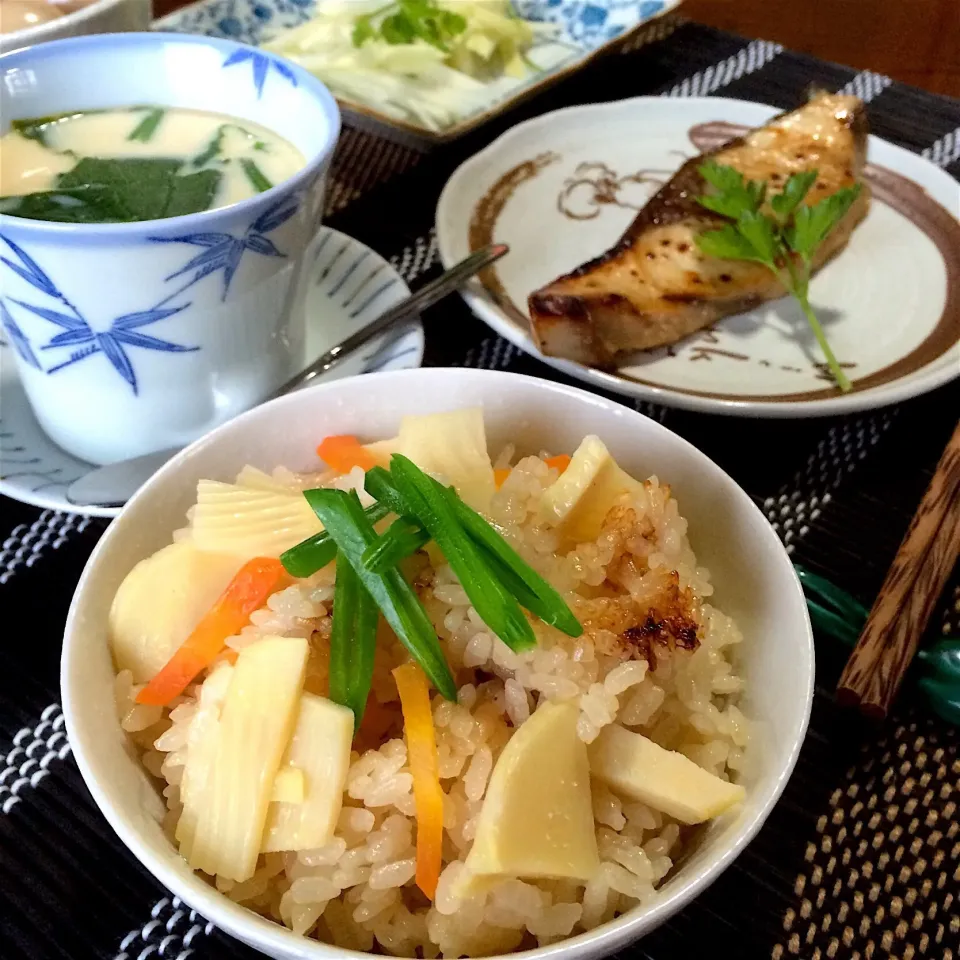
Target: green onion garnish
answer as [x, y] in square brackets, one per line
[255, 175]
[520, 579]
[404, 538]
[147, 127]
[353, 641]
[530, 589]
[379, 484]
[314, 553]
[350, 528]
[432, 505]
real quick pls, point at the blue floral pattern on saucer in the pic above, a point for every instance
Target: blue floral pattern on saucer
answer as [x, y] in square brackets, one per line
[246, 21]
[590, 23]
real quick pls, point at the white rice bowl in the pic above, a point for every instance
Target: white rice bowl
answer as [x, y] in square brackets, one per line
[691, 534]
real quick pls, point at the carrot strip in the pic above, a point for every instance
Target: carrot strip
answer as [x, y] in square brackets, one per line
[500, 475]
[560, 462]
[343, 453]
[422, 756]
[247, 591]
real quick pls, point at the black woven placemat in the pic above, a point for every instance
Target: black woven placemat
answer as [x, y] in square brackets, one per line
[860, 859]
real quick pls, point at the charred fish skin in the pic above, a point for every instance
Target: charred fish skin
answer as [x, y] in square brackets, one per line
[654, 287]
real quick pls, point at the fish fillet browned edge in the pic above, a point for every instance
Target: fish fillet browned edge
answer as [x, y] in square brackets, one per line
[655, 287]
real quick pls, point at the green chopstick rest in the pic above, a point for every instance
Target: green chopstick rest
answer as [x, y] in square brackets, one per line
[836, 613]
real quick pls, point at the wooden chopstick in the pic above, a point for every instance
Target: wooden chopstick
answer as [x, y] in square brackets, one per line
[909, 594]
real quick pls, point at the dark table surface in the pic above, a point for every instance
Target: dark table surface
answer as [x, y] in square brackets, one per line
[860, 859]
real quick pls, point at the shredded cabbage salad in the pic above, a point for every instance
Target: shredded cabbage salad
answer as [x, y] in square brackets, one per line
[427, 62]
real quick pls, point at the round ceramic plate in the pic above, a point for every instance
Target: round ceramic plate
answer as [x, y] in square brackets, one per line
[349, 286]
[562, 188]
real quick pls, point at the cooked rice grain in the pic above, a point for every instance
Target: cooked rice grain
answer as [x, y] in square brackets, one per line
[359, 888]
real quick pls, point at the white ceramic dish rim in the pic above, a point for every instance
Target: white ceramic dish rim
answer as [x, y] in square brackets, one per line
[936, 374]
[269, 936]
[40, 499]
[30, 36]
[103, 232]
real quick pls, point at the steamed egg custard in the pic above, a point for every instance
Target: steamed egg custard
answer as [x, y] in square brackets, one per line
[419, 702]
[136, 163]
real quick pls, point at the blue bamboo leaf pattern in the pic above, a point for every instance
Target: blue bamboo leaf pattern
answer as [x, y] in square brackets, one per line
[74, 357]
[54, 316]
[30, 271]
[212, 253]
[219, 251]
[230, 268]
[116, 355]
[285, 71]
[131, 320]
[71, 338]
[124, 331]
[206, 271]
[200, 239]
[261, 67]
[136, 339]
[20, 343]
[262, 245]
[259, 73]
[223, 251]
[276, 215]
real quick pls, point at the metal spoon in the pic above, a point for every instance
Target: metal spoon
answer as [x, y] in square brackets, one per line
[114, 484]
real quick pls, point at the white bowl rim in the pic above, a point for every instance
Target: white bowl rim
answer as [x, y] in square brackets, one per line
[267, 935]
[193, 221]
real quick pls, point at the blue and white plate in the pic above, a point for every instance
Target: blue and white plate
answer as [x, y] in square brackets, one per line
[349, 285]
[583, 29]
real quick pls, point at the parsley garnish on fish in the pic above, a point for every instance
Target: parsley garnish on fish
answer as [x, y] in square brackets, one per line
[783, 240]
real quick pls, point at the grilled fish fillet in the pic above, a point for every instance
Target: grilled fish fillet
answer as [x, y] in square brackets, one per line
[655, 287]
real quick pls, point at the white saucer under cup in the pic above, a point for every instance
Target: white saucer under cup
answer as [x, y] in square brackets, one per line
[347, 285]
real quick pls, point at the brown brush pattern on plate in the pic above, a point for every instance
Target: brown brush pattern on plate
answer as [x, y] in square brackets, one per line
[887, 186]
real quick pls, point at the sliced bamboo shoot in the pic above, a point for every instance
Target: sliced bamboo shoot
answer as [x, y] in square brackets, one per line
[580, 498]
[256, 723]
[288, 786]
[320, 748]
[452, 447]
[258, 480]
[247, 522]
[160, 602]
[663, 779]
[202, 739]
[537, 820]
